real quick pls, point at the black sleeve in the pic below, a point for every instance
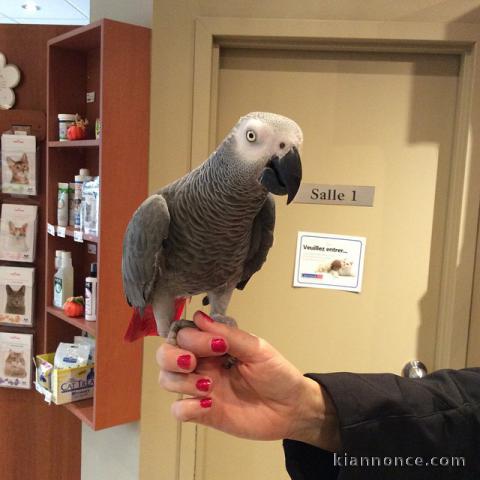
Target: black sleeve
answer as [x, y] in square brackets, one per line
[389, 425]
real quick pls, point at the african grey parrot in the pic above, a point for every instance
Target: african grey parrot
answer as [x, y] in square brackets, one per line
[211, 230]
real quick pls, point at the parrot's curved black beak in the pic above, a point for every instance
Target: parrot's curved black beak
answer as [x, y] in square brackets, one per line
[282, 176]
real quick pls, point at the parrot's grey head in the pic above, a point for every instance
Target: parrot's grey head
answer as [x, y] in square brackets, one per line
[269, 143]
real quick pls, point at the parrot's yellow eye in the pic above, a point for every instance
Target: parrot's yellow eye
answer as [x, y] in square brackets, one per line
[251, 135]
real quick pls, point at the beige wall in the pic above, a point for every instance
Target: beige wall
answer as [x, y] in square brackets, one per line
[111, 454]
[171, 117]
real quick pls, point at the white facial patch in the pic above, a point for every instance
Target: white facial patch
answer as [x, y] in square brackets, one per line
[257, 140]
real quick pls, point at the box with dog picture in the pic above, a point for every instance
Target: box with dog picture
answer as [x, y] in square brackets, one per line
[16, 360]
[16, 296]
[19, 164]
[18, 226]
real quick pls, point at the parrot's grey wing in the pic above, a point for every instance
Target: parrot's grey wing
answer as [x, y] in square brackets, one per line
[261, 240]
[142, 259]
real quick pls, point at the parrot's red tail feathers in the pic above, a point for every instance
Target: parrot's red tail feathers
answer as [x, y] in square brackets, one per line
[141, 325]
[179, 307]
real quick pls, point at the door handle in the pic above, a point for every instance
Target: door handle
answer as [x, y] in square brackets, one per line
[414, 369]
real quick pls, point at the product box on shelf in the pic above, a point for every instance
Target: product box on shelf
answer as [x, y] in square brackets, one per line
[16, 360]
[18, 230]
[91, 206]
[19, 164]
[63, 385]
[16, 296]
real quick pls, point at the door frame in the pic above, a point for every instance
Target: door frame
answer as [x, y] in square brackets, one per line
[212, 33]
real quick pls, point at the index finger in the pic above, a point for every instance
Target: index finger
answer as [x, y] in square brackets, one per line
[241, 344]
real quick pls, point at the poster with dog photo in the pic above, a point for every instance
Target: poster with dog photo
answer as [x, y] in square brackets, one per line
[16, 360]
[16, 296]
[19, 164]
[18, 226]
[329, 261]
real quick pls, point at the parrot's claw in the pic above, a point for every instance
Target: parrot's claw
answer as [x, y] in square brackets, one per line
[175, 327]
[230, 321]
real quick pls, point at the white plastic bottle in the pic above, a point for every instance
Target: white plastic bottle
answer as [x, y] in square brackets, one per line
[63, 281]
[58, 259]
[62, 205]
[91, 284]
[80, 179]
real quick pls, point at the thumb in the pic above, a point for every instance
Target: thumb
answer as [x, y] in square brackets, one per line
[242, 345]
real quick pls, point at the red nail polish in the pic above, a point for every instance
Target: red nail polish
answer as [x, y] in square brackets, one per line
[218, 345]
[207, 317]
[184, 361]
[203, 384]
[206, 402]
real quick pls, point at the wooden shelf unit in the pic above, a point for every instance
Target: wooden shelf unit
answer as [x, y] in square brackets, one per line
[94, 142]
[111, 59]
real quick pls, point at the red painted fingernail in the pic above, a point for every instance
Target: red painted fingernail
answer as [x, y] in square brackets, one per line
[218, 345]
[207, 317]
[206, 402]
[184, 361]
[203, 384]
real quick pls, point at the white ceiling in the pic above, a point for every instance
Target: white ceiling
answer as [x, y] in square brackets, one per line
[52, 12]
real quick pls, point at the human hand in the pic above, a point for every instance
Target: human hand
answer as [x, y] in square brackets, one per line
[262, 397]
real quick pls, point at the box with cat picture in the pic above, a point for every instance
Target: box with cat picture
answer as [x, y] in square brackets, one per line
[16, 296]
[19, 164]
[18, 227]
[16, 360]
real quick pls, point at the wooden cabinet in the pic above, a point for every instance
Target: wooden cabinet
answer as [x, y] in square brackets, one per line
[111, 59]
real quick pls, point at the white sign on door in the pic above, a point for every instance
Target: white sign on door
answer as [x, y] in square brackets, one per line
[329, 261]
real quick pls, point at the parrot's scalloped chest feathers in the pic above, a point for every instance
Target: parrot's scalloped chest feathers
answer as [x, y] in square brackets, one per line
[210, 229]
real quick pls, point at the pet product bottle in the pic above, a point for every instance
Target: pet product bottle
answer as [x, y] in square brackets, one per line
[63, 281]
[91, 284]
[62, 206]
[80, 179]
[71, 204]
[65, 120]
[58, 259]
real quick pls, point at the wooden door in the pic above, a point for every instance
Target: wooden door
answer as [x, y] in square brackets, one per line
[379, 119]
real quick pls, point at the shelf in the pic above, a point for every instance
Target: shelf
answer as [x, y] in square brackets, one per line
[70, 232]
[88, 59]
[79, 322]
[83, 409]
[74, 143]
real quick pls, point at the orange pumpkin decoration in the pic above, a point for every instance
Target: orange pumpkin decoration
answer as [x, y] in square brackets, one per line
[74, 307]
[77, 131]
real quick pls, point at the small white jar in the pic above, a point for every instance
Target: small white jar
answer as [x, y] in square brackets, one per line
[64, 121]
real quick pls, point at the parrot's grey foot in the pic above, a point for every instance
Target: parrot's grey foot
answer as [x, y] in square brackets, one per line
[230, 361]
[175, 327]
[230, 321]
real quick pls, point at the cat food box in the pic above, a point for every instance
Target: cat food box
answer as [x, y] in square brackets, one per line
[63, 385]
[19, 164]
[16, 296]
[18, 229]
[15, 360]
